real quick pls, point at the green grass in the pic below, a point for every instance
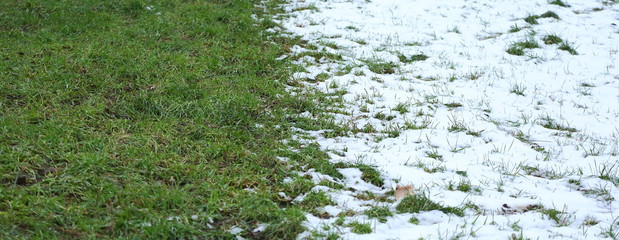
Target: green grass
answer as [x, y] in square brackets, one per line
[515, 28]
[550, 123]
[518, 89]
[518, 48]
[320, 56]
[314, 200]
[514, 50]
[381, 213]
[463, 186]
[381, 67]
[434, 155]
[532, 19]
[453, 105]
[414, 220]
[116, 118]
[559, 217]
[530, 43]
[402, 108]
[360, 228]
[568, 48]
[312, 157]
[369, 174]
[420, 202]
[552, 39]
[559, 3]
[550, 14]
[414, 58]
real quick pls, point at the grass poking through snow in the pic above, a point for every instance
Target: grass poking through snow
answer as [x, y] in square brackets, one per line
[420, 202]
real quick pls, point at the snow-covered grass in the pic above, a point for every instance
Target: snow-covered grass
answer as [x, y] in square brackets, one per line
[501, 114]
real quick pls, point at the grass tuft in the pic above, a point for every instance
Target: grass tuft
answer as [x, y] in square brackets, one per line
[559, 3]
[515, 28]
[514, 50]
[381, 67]
[419, 202]
[550, 123]
[360, 228]
[314, 200]
[369, 174]
[518, 89]
[530, 43]
[550, 14]
[531, 19]
[552, 39]
[381, 213]
[414, 58]
[567, 47]
[518, 48]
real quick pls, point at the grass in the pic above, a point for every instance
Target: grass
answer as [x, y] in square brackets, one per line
[321, 77]
[514, 50]
[561, 218]
[381, 213]
[371, 175]
[464, 186]
[515, 28]
[611, 232]
[563, 45]
[552, 39]
[559, 3]
[314, 200]
[420, 202]
[311, 7]
[381, 67]
[360, 228]
[456, 125]
[530, 43]
[532, 19]
[608, 172]
[414, 58]
[331, 45]
[402, 108]
[313, 157]
[453, 105]
[518, 48]
[549, 123]
[518, 89]
[434, 155]
[356, 29]
[320, 56]
[550, 14]
[116, 118]
[296, 187]
[568, 48]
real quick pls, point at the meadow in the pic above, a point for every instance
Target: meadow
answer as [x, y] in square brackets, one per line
[144, 119]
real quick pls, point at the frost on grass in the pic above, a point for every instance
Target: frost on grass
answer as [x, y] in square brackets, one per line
[498, 111]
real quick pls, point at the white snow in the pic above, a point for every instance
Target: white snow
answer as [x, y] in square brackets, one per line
[537, 129]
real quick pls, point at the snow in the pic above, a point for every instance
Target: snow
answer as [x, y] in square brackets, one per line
[537, 129]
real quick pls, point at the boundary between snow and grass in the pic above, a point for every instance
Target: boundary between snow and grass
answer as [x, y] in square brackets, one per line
[325, 62]
[161, 120]
[326, 176]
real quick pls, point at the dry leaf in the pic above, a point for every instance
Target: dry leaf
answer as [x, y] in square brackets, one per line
[403, 191]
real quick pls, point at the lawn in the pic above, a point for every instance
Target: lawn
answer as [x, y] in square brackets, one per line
[144, 119]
